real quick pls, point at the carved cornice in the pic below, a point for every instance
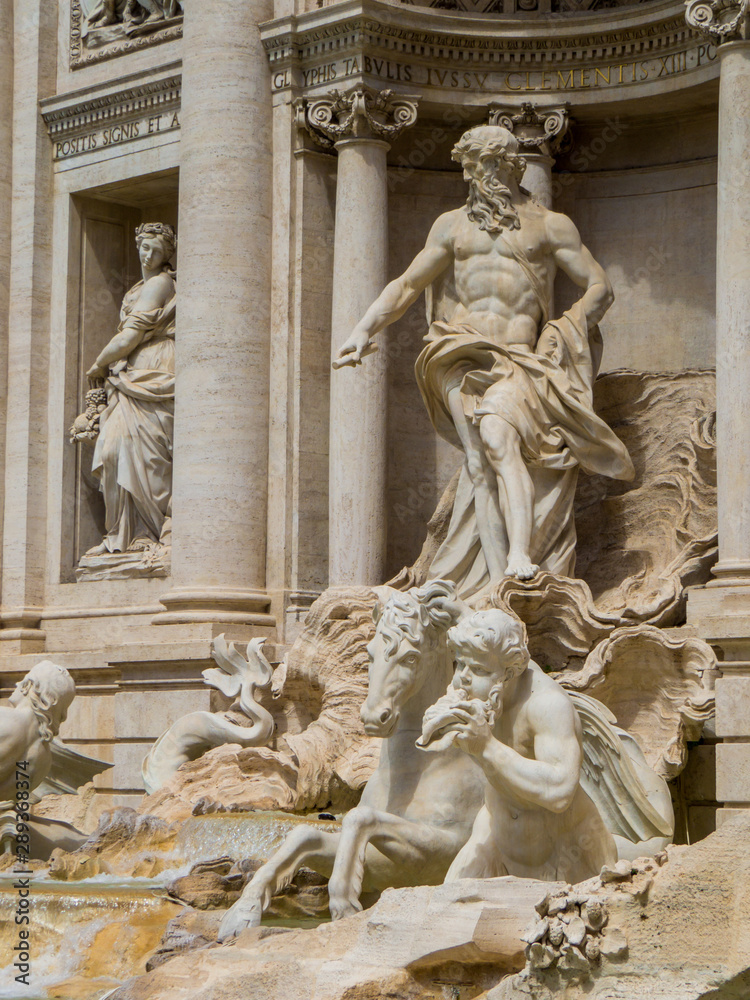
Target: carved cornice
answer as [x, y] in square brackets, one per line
[134, 102]
[540, 131]
[80, 56]
[719, 20]
[451, 38]
[359, 113]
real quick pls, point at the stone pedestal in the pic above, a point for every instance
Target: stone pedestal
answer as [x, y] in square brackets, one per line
[223, 322]
[358, 125]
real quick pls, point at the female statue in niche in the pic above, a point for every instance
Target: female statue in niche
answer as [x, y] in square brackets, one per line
[135, 415]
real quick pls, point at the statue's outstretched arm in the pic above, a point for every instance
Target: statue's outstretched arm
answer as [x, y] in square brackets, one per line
[402, 292]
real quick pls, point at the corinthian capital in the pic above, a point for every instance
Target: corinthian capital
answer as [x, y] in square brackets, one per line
[537, 130]
[719, 20]
[359, 113]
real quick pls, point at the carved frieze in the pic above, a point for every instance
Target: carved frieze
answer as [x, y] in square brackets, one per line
[149, 109]
[480, 57]
[102, 29]
[360, 113]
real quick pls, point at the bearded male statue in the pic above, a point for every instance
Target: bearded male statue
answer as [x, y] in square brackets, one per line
[502, 381]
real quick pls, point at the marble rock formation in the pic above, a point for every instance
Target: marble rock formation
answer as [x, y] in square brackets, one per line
[673, 928]
[34, 763]
[237, 676]
[640, 544]
[658, 685]
[414, 943]
[319, 756]
[670, 926]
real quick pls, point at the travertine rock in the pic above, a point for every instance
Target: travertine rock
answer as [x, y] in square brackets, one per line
[674, 930]
[326, 764]
[660, 688]
[411, 944]
[640, 544]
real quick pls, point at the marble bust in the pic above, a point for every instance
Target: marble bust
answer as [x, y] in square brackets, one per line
[501, 380]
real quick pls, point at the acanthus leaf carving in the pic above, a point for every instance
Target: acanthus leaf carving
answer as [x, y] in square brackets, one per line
[720, 20]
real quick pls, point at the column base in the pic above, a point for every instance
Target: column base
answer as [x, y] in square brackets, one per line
[730, 573]
[20, 632]
[219, 605]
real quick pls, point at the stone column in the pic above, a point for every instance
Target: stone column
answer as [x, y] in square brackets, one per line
[33, 24]
[539, 133]
[220, 478]
[6, 149]
[359, 126]
[721, 610]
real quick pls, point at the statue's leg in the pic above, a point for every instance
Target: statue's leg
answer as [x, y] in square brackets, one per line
[489, 524]
[502, 446]
[418, 848]
[305, 844]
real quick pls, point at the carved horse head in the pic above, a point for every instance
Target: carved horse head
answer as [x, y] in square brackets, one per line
[408, 649]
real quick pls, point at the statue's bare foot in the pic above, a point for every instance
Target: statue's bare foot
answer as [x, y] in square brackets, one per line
[98, 550]
[246, 912]
[521, 567]
[342, 905]
[157, 15]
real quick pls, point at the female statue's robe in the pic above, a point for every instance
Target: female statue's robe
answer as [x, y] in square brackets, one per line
[133, 453]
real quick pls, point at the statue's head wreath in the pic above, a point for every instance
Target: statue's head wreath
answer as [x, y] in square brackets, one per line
[162, 230]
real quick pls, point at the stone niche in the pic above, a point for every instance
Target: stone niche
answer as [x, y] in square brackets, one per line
[104, 265]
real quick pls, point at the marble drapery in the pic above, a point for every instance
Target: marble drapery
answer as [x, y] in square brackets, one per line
[546, 395]
[133, 454]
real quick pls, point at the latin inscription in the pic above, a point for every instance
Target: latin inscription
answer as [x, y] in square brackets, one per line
[519, 81]
[114, 135]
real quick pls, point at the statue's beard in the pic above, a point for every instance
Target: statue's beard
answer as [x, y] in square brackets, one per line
[490, 205]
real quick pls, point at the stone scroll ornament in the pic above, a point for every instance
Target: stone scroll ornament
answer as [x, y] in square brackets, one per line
[359, 112]
[129, 416]
[720, 20]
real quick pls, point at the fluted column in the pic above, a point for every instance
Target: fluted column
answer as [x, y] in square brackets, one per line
[220, 477]
[539, 132]
[24, 549]
[721, 610]
[359, 126]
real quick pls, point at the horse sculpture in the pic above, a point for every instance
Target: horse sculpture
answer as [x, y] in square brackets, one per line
[417, 809]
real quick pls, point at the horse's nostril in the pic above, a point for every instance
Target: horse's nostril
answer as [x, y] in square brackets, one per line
[385, 716]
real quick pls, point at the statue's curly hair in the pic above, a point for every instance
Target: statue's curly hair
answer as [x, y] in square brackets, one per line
[158, 230]
[490, 142]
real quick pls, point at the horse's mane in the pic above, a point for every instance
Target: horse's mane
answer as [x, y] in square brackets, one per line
[409, 614]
